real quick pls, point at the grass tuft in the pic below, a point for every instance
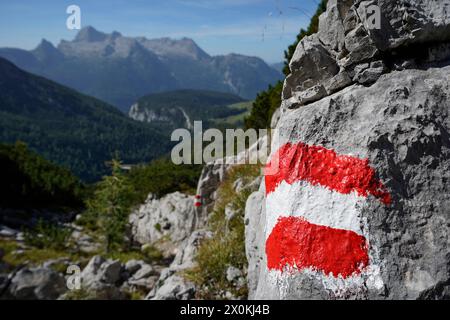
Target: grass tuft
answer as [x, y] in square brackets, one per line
[227, 247]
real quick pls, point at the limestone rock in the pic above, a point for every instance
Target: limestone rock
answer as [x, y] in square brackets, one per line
[398, 120]
[215, 172]
[211, 177]
[311, 64]
[171, 285]
[174, 288]
[36, 284]
[254, 238]
[102, 277]
[275, 117]
[131, 266]
[401, 125]
[171, 217]
[185, 257]
[338, 82]
[235, 276]
[145, 277]
[354, 32]
[84, 242]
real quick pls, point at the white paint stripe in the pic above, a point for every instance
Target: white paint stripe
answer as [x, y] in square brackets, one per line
[317, 204]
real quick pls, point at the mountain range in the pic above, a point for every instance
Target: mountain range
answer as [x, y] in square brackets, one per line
[119, 69]
[71, 129]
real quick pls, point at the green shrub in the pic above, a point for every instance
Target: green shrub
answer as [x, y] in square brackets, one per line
[266, 103]
[47, 235]
[161, 177]
[124, 256]
[81, 294]
[227, 246]
[152, 253]
[34, 255]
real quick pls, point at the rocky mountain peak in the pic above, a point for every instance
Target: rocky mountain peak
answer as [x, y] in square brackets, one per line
[46, 51]
[90, 34]
[155, 65]
[45, 45]
[115, 35]
[184, 47]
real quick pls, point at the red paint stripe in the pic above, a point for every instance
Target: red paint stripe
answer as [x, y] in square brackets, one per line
[320, 166]
[197, 204]
[296, 242]
[198, 197]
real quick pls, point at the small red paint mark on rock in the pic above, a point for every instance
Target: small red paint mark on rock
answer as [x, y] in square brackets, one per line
[198, 204]
[294, 242]
[320, 166]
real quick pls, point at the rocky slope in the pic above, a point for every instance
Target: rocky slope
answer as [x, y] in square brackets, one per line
[168, 230]
[185, 222]
[357, 206]
[120, 69]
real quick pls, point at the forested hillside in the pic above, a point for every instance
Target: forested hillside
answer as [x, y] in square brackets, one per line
[30, 181]
[68, 128]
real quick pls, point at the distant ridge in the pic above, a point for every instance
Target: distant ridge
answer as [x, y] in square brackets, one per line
[120, 69]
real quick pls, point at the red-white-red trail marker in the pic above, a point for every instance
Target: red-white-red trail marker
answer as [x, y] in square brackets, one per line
[313, 201]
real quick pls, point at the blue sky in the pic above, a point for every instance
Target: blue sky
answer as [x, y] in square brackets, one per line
[261, 28]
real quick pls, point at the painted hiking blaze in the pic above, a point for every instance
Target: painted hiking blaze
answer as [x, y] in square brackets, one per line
[312, 200]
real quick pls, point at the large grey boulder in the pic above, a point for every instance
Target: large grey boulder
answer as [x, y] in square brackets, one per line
[401, 125]
[212, 175]
[144, 278]
[185, 257]
[171, 283]
[254, 238]
[102, 278]
[175, 287]
[36, 284]
[171, 217]
[386, 107]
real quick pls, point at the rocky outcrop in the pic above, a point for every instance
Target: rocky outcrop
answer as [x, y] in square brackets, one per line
[254, 238]
[174, 219]
[171, 284]
[107, 279]
[385, 111]
[140, 276]
[355, 44]
[215, 172]
[102, 278]
[170, 218]
[35, 284]
[170, 117]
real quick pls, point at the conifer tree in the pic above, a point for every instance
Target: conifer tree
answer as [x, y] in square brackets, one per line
[111, 204]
